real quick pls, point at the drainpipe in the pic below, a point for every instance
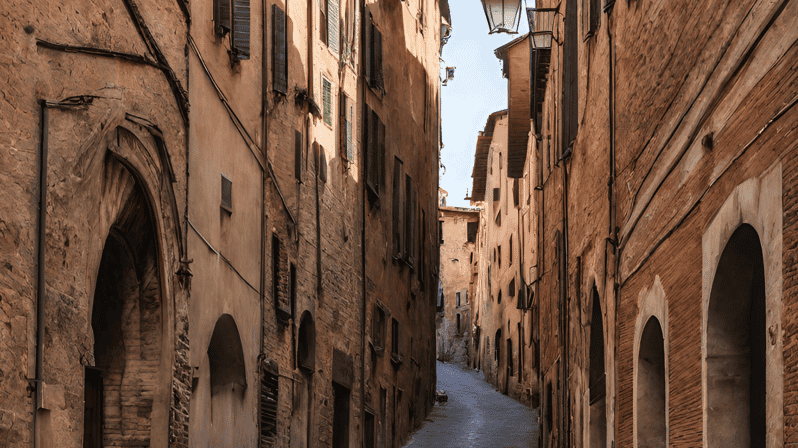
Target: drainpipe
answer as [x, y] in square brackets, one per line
[40, 274]
[361, 88]
[265, 149]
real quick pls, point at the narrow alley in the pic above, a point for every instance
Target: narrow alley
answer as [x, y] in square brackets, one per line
[475, 415]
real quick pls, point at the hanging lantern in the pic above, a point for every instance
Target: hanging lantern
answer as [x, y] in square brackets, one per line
[503, 16]
[541, 27]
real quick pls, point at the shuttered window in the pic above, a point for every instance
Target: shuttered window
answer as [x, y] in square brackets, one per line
[221, 16]
[373, 68]
[298, 155]
[279, 51]
[232, 16]
[240, 35]
[398, 215]
[269, 395]
[347, 118]
[410, 221]
[326, 93]
[591, 16]
[570, 81]
[227, 194]
[328, 24]
[374, 136]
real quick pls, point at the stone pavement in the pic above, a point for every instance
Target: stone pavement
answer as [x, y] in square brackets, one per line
[475, 416]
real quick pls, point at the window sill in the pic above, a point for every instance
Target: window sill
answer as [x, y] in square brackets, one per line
[396, 360]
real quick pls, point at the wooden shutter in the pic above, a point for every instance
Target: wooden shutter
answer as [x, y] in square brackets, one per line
[269, 396]
[298, 155]
[380, 151]
[350, 124]
[323, 21]
[221, 16]
[368, 54]
[396, 205]
[279, 51]
[333, 14]
[371, 154]
[409, 216]
[227, 194]
[379, 81]
[327, 100]
[240, 35]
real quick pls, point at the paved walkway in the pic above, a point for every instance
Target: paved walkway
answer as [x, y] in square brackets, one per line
[475, 416]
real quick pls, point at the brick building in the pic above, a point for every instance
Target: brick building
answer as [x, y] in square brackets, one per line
[245, 271]
[458, 229]
[502, 341]
[660, 187]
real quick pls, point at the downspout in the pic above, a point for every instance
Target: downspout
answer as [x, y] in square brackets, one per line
[361, 87]
[566, 393]
[613, 216]
[40, 275]
[265, 149]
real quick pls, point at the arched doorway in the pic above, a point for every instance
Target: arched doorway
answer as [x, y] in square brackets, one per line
[126, 323]
[597, 378]
[736, 345]
[650, 405]
[228, 380]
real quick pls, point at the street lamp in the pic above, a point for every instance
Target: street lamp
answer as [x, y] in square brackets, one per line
[541, 27]
[503, 15]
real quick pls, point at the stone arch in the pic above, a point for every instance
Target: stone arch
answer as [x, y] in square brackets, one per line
[597, 377]
[742, 265]
[650, 386]
[124, 394]
[652, 306]
[306, 342]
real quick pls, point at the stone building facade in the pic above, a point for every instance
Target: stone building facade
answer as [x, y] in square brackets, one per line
[502, 345]
[458, 234]
[660, 184]
[242, 272]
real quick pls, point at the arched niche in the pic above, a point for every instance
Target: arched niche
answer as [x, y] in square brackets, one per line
[651, 382]
[306, 343]
[650, 403]
[122, 389]
[597, 378]
[226, 358]
[736, 345]
[742, 274]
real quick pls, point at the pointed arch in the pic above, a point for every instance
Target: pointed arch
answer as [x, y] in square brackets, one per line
[650, 395]
[597, 378]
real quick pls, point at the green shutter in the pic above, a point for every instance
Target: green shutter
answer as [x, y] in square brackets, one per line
[327, 100]
[279, 51]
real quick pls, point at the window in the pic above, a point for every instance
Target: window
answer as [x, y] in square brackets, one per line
[395, 355]
[457, 294]
[499, 300]
[591, 17]
[398, 215]
[497, 194]
[510, 369]
[511, 250]
[374, 136]
[227, 195]
[328, 24]
[373, 65]
[279, 279]
[232, 16]
[471, 258]
[347, 134]
[409, 236]
[458, 323]
[497, 346]
[327, 107]
[471, 232]
[306, 343]
[269, 396]
[298, 155]
[511, 288]
[279, 51]
[378, 329]
[440, 231]
[500, 256]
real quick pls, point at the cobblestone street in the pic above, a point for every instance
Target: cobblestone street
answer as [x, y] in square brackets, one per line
[476, 415]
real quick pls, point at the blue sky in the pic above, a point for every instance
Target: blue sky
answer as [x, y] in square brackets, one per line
[476, 91]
